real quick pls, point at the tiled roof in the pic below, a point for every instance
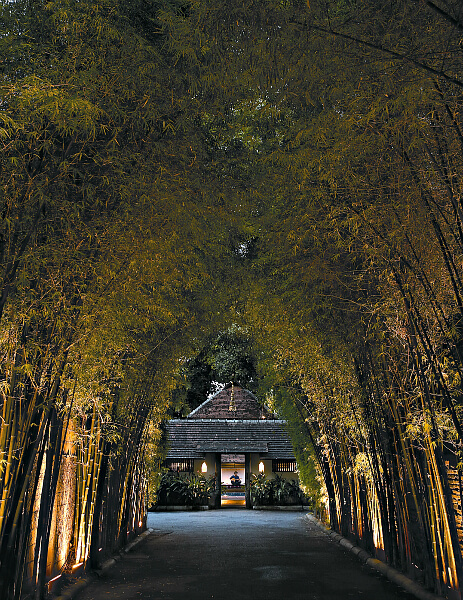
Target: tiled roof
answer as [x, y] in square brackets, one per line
[191, 438]
[244, 403]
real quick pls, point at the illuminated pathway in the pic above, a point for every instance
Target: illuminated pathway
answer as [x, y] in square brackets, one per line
[236, 554]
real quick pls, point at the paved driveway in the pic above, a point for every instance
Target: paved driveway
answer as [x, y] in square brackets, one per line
[236, 554]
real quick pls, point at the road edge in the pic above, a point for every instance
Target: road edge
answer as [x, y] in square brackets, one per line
[392, 574]
[70, 592]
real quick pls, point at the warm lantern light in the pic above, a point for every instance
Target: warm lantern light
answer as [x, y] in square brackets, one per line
[261, 467]
[204, 468]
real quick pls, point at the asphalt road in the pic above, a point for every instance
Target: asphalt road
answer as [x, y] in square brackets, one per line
[235, 554]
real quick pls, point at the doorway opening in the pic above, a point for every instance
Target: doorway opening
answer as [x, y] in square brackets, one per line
[233, 478]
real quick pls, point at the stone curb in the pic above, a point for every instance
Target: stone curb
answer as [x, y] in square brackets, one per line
[392, 574]
[75, 588]
[294, 507]
[178, 508]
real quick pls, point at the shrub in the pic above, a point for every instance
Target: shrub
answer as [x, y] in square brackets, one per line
[184, 489]
[276, 491]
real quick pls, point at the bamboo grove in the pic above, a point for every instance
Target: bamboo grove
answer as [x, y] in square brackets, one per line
[170, 168]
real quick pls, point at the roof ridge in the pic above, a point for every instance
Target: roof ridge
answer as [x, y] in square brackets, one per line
[245, 398]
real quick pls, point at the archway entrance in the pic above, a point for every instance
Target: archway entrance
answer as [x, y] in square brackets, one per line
[233, 478]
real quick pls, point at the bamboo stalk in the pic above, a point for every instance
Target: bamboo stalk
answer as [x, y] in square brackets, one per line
[444, 518]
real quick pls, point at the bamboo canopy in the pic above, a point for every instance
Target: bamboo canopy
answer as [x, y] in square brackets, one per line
[171, 170]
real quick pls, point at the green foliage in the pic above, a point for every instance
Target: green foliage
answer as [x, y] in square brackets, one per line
[227, 356]
[231, 357]
[170, 169]
[184, 489]
[276, 491]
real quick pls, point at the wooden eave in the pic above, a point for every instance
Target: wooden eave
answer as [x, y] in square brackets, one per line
[191, 438]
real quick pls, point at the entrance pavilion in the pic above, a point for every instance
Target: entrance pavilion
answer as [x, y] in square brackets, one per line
[233, 437]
